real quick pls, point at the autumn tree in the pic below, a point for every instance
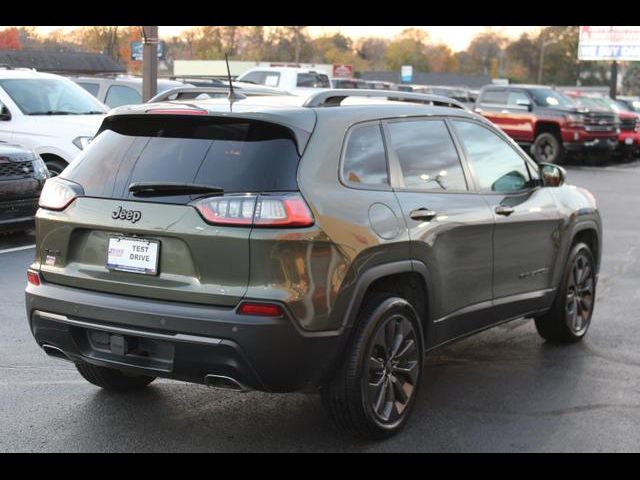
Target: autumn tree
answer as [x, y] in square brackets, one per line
[10, 39]
[485, 54]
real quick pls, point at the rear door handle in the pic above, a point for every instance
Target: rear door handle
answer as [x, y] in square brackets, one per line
[423, 214]
[506, 211]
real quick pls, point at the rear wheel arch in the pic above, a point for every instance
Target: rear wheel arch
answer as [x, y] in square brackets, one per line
[407, 279]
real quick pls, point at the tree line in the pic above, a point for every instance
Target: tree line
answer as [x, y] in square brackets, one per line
[490, 52]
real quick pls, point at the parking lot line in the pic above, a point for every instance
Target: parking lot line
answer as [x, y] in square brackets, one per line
[16, 249]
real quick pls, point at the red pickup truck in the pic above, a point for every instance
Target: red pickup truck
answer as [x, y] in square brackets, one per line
[548, 122]
[629, 137]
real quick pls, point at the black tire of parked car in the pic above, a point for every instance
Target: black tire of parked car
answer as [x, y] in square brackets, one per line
[112, 379]
[570, 316]
[547, 148]
[374, 390]
[55, 167]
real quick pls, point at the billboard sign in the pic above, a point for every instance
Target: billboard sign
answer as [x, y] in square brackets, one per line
[406, 73]
[609, 43]
[342, 70]
[136, 51]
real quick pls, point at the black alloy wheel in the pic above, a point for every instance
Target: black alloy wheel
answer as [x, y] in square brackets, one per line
[580, 295]
[393, 369]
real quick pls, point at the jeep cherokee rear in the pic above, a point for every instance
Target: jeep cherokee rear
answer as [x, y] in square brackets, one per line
[270, 245]
[548, 123]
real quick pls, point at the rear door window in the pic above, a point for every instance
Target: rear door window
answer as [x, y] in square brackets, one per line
[427, 156]
[237, 155]
[313, 80]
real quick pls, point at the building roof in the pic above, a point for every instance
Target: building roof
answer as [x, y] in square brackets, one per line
[432, 79]
[61, 62]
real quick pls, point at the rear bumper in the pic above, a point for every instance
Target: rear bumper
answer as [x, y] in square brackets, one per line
[179, 340]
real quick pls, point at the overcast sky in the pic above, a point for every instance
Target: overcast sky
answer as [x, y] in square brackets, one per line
[457, 38]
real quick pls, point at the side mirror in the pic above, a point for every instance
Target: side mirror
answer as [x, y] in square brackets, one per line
[524, 103]
[552, 175]
[4, 114]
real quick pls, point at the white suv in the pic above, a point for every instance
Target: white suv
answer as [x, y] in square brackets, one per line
[299, 81]
[48, 114]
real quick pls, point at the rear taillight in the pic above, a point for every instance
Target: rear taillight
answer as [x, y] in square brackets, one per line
[33, 278]
[260, 309]
[286, 210]
[58, 193]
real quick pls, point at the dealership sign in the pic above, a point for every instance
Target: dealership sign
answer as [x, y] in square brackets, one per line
[136, 51]
[609, 43]
[343, 70]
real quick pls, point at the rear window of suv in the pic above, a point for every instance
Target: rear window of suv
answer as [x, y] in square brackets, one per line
[237, 155]
[313, 80]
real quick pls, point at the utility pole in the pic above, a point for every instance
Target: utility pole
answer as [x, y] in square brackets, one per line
[541, 63]
[149, 62]
[613, 87]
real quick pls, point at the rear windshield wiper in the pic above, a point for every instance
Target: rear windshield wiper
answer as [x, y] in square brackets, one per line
[156, 189]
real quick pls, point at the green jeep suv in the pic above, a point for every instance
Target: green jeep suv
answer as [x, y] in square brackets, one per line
[319, 244]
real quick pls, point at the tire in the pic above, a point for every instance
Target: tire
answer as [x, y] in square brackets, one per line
[547, 148]
[112, 379]
[570, 316]
[55, 167]
[371, 375]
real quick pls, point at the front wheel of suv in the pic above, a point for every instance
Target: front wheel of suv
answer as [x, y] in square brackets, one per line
[547, 148]
[570, 316]
[374, 390]
[112, 379]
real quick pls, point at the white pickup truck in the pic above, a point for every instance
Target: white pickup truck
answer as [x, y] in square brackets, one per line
[298, 81]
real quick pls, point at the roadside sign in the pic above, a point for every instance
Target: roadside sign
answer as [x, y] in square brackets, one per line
[342, 70]
[609, 43]
[136, 51]
[406, 73]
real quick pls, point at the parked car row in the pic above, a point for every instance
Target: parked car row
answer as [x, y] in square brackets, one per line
[553, 125]
[54, 118]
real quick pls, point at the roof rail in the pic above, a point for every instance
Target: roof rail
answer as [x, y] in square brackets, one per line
[334, 97]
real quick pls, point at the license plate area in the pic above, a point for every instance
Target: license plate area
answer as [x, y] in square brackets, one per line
[134, 255]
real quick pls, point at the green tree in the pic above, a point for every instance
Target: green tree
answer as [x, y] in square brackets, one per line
[408, 48]
[372, 50]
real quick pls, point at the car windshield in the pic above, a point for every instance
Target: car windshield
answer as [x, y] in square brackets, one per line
[50, 96]
[593, 103]
[546, 97]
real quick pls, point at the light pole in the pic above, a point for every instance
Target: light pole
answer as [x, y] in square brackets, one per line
[541, 64]
[149, 62]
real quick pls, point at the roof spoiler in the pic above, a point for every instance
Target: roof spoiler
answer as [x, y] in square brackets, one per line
[334, 97]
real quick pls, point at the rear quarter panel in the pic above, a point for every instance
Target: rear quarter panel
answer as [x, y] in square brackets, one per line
[343, 215]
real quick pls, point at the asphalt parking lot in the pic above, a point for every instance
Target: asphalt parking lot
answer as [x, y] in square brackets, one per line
[501, 390]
